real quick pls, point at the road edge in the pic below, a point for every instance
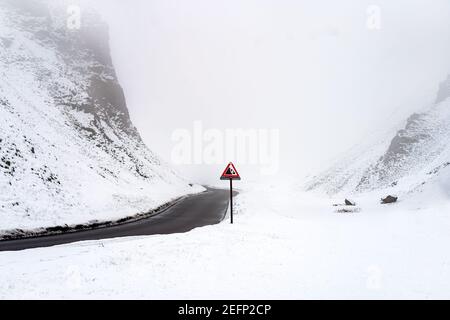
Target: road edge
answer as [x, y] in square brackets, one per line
[19, 234]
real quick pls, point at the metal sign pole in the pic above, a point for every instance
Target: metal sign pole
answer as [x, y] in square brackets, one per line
[231, 199]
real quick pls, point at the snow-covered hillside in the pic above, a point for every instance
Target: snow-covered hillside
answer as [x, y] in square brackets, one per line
[68, 150]
[417, 158]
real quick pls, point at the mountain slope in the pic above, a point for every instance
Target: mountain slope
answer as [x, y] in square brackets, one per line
[68, 150]
[417, 156]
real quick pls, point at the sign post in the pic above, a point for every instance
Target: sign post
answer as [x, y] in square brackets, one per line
[230, 173]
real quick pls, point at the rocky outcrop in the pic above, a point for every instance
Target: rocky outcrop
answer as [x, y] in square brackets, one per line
[69, 152]
[404, 162]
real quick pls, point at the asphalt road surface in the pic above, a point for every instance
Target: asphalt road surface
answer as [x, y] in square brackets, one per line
[195, 211]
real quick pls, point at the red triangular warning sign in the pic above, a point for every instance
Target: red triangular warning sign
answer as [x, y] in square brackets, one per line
[230, 172]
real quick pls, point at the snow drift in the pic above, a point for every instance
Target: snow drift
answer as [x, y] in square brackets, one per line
[68, 150]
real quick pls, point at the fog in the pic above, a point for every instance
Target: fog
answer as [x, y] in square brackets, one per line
[318, 71]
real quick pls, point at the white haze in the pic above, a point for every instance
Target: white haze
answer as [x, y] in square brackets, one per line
[309, 68]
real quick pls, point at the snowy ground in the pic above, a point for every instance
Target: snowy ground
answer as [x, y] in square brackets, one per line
[285, 244]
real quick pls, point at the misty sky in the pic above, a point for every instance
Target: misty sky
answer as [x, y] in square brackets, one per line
[311, 69]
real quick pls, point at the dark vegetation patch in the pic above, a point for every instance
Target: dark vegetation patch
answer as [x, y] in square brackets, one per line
[439, 168]
[107, 172]
[46, 175]
[90, 132]
[7, 165]
[5, 103]
[58, 229]
[139, 172]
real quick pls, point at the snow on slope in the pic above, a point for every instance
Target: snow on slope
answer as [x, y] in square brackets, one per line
[68, 151]
[415, 159]
[284, 244]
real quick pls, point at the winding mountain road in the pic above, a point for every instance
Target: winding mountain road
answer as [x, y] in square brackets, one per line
[195, 211]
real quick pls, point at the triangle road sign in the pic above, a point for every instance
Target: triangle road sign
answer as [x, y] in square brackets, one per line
[230, 172]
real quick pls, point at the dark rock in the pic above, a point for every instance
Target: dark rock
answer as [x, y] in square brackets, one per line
[349, 203]
[389, 199]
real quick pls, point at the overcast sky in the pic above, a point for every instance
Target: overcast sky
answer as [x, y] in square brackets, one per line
[312, 69]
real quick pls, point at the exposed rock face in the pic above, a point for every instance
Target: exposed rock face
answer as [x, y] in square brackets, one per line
[415, 154]
[85, 55]
[424, 139]
[68, 149]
